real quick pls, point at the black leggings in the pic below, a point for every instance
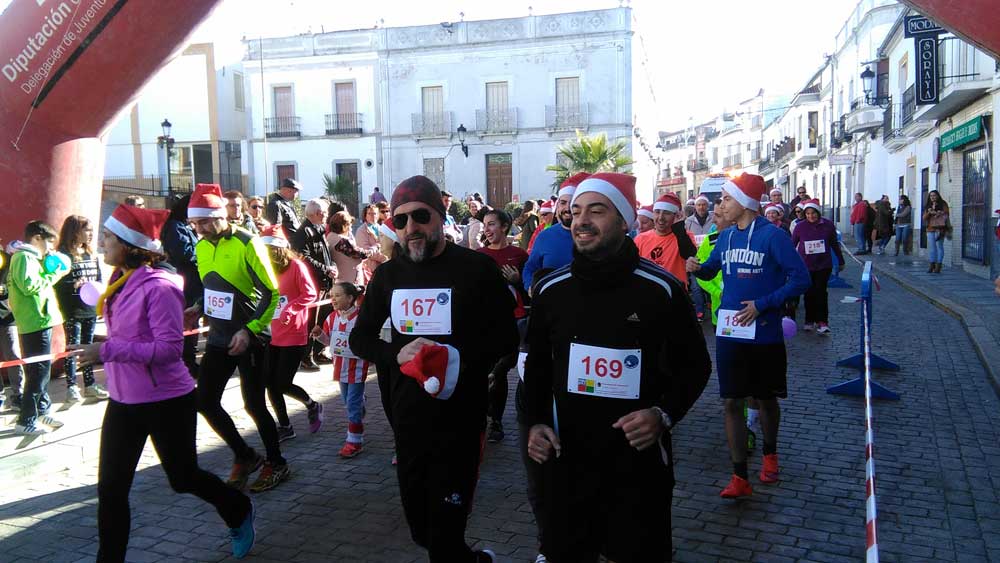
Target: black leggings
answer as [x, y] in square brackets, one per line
[498, 386]
[171, 424]
[817, 305]
[216, 368]
[284, 361]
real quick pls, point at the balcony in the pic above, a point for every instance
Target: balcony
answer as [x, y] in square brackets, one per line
[567, 118]
[766, 166]
[696, 164]
[892, 132]
[911, 127]
[755, 155]
[732, 161]
[808, 155]
[785, 150]
[432, 125]
[343, 124]
[674, 181]
[282, 127]
[496, 122]
[864, 116]
[838, 135]
[964, 75]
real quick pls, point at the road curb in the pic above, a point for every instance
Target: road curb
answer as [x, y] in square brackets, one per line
[975, 328]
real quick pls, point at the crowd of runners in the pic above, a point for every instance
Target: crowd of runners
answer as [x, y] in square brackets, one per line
[600, 307]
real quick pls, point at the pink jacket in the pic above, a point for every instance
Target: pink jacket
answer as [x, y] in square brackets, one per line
[297, 288]
[142, 356]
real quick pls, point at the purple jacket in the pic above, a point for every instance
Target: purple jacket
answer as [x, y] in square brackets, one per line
[808, 234]
[142, 356]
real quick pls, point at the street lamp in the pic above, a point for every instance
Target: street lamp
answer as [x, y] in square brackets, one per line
[165, 140]
[867, 77]
[461, 139]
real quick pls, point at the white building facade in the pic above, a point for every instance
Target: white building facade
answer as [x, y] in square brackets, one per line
[517, 87]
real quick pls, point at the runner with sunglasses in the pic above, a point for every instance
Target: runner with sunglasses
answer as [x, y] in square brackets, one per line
[452, 320]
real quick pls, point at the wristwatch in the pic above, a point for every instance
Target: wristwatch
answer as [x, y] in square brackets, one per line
[664, 418]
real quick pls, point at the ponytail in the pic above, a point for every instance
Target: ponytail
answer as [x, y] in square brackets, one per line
[353, 290]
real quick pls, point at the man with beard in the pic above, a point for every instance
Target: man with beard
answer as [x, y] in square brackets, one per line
[554, 246]
[604, 385]
[452, 320]
[668, 244]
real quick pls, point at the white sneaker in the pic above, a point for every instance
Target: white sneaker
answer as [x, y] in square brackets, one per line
[29, 430]
[50, 422]
[823, 328]
[73, 394]
[541, 559]
[95, 391]
[808, 327]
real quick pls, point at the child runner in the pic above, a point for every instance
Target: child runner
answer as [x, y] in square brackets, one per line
[289, 340]
[348, 369]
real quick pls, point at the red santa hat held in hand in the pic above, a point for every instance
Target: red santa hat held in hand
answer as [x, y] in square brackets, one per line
[206, 201]
[138, 227]
[435, 367]
[619, 188]
[274, 235]
[747, 190]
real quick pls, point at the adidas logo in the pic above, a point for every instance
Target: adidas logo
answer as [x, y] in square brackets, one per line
[633, 318]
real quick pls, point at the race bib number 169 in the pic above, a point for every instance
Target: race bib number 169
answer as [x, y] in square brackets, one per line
[604, 372]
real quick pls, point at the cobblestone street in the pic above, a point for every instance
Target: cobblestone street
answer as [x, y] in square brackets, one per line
[937, 459]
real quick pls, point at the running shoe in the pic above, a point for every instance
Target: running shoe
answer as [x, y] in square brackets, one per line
[769, 471]
[52, 423]
[30, 430]
[809, 327]
[308, 365]
[351, 449]
[394, 461]
[95, 391]
[485, 556]
[323, 359]
[737, 487]
[495, 433]
[285, 433]
[270, 477]
[242, 469]
[315, 414]
[73, 394]
[244, 536]
[823, 329]
[751, 441]
[541, 559]
[701, 317]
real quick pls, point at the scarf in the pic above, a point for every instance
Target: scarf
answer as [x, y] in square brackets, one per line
[609, 272]
[113, 288]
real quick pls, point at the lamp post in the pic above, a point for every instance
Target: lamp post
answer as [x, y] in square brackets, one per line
[867, 77]
[461, 139]
[167, 141]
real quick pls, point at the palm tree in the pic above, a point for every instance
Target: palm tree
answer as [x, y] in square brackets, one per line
[591, 154]
[342, 189]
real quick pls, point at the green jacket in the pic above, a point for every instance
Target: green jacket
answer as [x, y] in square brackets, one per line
[238, 268]
[712, 287]
[32, 297]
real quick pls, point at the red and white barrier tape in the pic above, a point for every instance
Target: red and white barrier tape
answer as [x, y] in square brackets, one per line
[61, 355]
[871, 515]
[843, 246]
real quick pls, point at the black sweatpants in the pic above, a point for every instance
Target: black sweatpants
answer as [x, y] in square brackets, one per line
[817, 301]
[437, 480]
[171, 424]
[284, 362]
[535, 475]
[498, 388]
[216, 368]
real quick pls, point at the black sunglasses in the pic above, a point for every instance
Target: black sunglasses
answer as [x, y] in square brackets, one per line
[256, 207]
[421, 216]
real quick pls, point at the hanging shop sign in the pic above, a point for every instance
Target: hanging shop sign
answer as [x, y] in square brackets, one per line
[965, 133]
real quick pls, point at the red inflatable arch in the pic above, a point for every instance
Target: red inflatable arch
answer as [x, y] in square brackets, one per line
[67, 68]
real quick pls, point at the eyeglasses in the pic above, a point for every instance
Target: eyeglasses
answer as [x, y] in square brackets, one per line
[256, 207]
[421, 216]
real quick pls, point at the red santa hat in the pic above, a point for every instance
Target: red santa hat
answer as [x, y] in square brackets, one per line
[668, 202]
[701, 197]
[138, 226]
[813, 204]
[646, 211]
[776, 191]
[546, 207]
[435, 367]
[274, 235]
[619, 188]
[747, 190]
[570, 184]
[689, 202]
[771, 208]
[206, 201]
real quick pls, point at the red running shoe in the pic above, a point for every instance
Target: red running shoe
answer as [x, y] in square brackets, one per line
[351, 449]
[769, 471]
[737, 487]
